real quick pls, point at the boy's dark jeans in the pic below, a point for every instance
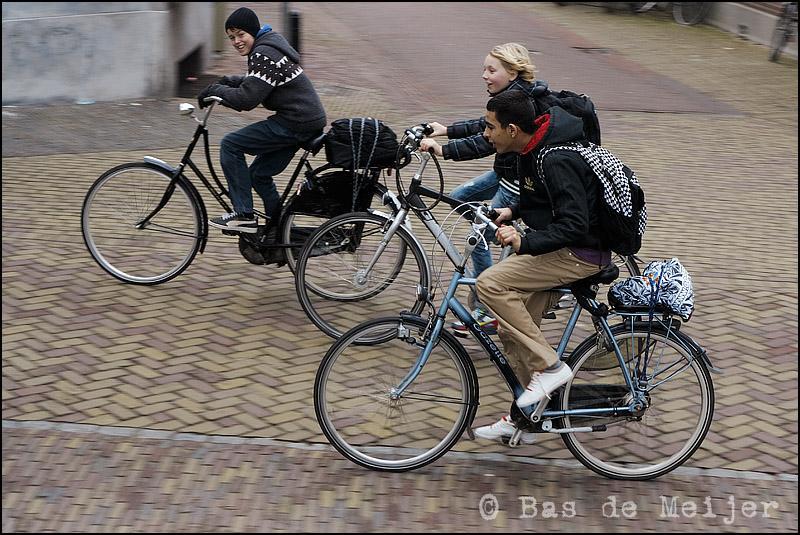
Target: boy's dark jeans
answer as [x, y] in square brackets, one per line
[273, 147]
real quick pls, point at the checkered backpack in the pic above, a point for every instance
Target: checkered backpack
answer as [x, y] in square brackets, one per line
[623, 212]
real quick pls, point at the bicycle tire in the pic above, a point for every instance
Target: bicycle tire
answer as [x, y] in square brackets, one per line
[118, 200]
[330, 282]
[690, 13]
[353, 405]
[619, 452]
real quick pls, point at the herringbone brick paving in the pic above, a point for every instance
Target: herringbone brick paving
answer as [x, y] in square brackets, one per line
[160, 483]
[225, 349]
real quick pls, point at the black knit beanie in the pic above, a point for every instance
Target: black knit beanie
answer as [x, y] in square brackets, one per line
[244, 19]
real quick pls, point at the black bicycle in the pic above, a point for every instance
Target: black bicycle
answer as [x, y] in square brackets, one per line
[144, 222]
[785, 30]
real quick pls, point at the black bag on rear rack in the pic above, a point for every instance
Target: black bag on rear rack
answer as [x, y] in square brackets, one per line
[361, 143]
[335, 193]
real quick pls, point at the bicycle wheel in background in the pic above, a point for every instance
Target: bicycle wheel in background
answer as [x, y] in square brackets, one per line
[780, 35]
[362, 418]
[690, 13]
[116, 204]
[673, 423]
[334, 285]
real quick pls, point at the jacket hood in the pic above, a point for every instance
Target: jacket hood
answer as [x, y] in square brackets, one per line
[267, 37]
[555, 127]
[531, 89]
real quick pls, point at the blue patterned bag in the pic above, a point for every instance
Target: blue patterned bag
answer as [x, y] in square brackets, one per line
[665, 286]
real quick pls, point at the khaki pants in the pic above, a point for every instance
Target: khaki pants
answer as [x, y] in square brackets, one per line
[517, 291]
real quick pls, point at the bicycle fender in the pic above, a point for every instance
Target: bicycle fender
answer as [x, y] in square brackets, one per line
[160, 163]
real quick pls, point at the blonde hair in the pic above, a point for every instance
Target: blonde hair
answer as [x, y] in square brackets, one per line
[515, 58]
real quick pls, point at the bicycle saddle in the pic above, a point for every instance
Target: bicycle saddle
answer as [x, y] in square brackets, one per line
[607, 275]
[314, 144]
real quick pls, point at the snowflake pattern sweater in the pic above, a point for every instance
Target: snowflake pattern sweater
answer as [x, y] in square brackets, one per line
[275, 80]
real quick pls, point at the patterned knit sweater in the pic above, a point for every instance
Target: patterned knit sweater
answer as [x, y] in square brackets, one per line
[275, 80]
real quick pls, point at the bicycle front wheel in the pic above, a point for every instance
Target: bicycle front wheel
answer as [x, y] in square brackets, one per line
[367, 421]
[346, 274]
[151, 253]
[677, 412]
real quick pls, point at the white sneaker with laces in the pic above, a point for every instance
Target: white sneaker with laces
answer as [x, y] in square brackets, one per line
[503, 428]
[542, 384]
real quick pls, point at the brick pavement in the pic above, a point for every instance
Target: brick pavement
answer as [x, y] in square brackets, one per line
[81, 348]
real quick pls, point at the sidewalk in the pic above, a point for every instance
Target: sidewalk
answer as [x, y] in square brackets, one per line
[707, 122]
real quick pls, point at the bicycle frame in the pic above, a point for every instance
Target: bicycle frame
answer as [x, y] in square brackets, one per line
[413, 202]
[537, 412]
[219, 192]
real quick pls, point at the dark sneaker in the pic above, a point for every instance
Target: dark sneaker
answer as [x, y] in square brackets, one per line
[234, 222]
[486, 321]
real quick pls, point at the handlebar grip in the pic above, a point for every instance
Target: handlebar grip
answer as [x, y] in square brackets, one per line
[427, 129]
[493, 214]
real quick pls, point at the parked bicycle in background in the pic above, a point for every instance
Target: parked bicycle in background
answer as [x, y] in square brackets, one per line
[785, 30]
[684, 13]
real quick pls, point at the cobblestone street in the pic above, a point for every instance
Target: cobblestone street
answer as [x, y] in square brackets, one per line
[188, 406]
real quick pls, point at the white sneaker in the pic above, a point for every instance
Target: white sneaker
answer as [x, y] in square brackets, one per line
[503, 428]
[542, 384]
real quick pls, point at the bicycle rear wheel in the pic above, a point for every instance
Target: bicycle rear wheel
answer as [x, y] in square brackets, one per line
[160, 250]
[356, 409]
[690, 13]
[677, 414]
[334, 285]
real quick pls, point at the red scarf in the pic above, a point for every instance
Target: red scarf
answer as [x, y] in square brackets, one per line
[542, 124]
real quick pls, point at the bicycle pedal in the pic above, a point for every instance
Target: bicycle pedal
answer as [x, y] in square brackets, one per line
[513, 442]
[549, 316]
[230, 233]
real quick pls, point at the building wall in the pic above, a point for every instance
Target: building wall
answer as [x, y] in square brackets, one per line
[86, 51]
[751, 20]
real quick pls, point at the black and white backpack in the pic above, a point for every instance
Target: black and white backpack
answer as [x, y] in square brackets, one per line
[623, 212]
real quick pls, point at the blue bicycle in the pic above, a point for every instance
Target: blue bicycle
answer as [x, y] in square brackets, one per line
[397, 393]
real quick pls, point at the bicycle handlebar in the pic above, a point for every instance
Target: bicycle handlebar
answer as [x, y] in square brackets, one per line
[414, 135]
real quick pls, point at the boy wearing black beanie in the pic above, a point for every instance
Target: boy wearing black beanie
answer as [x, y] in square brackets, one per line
[275, 80]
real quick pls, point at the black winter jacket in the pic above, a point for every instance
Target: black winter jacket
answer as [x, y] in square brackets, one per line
[276, 80]
[562, 209]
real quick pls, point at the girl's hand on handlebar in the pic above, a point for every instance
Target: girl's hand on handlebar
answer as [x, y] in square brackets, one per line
[503, 214]
[509, 236]
[438, 129]
[426, 144]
